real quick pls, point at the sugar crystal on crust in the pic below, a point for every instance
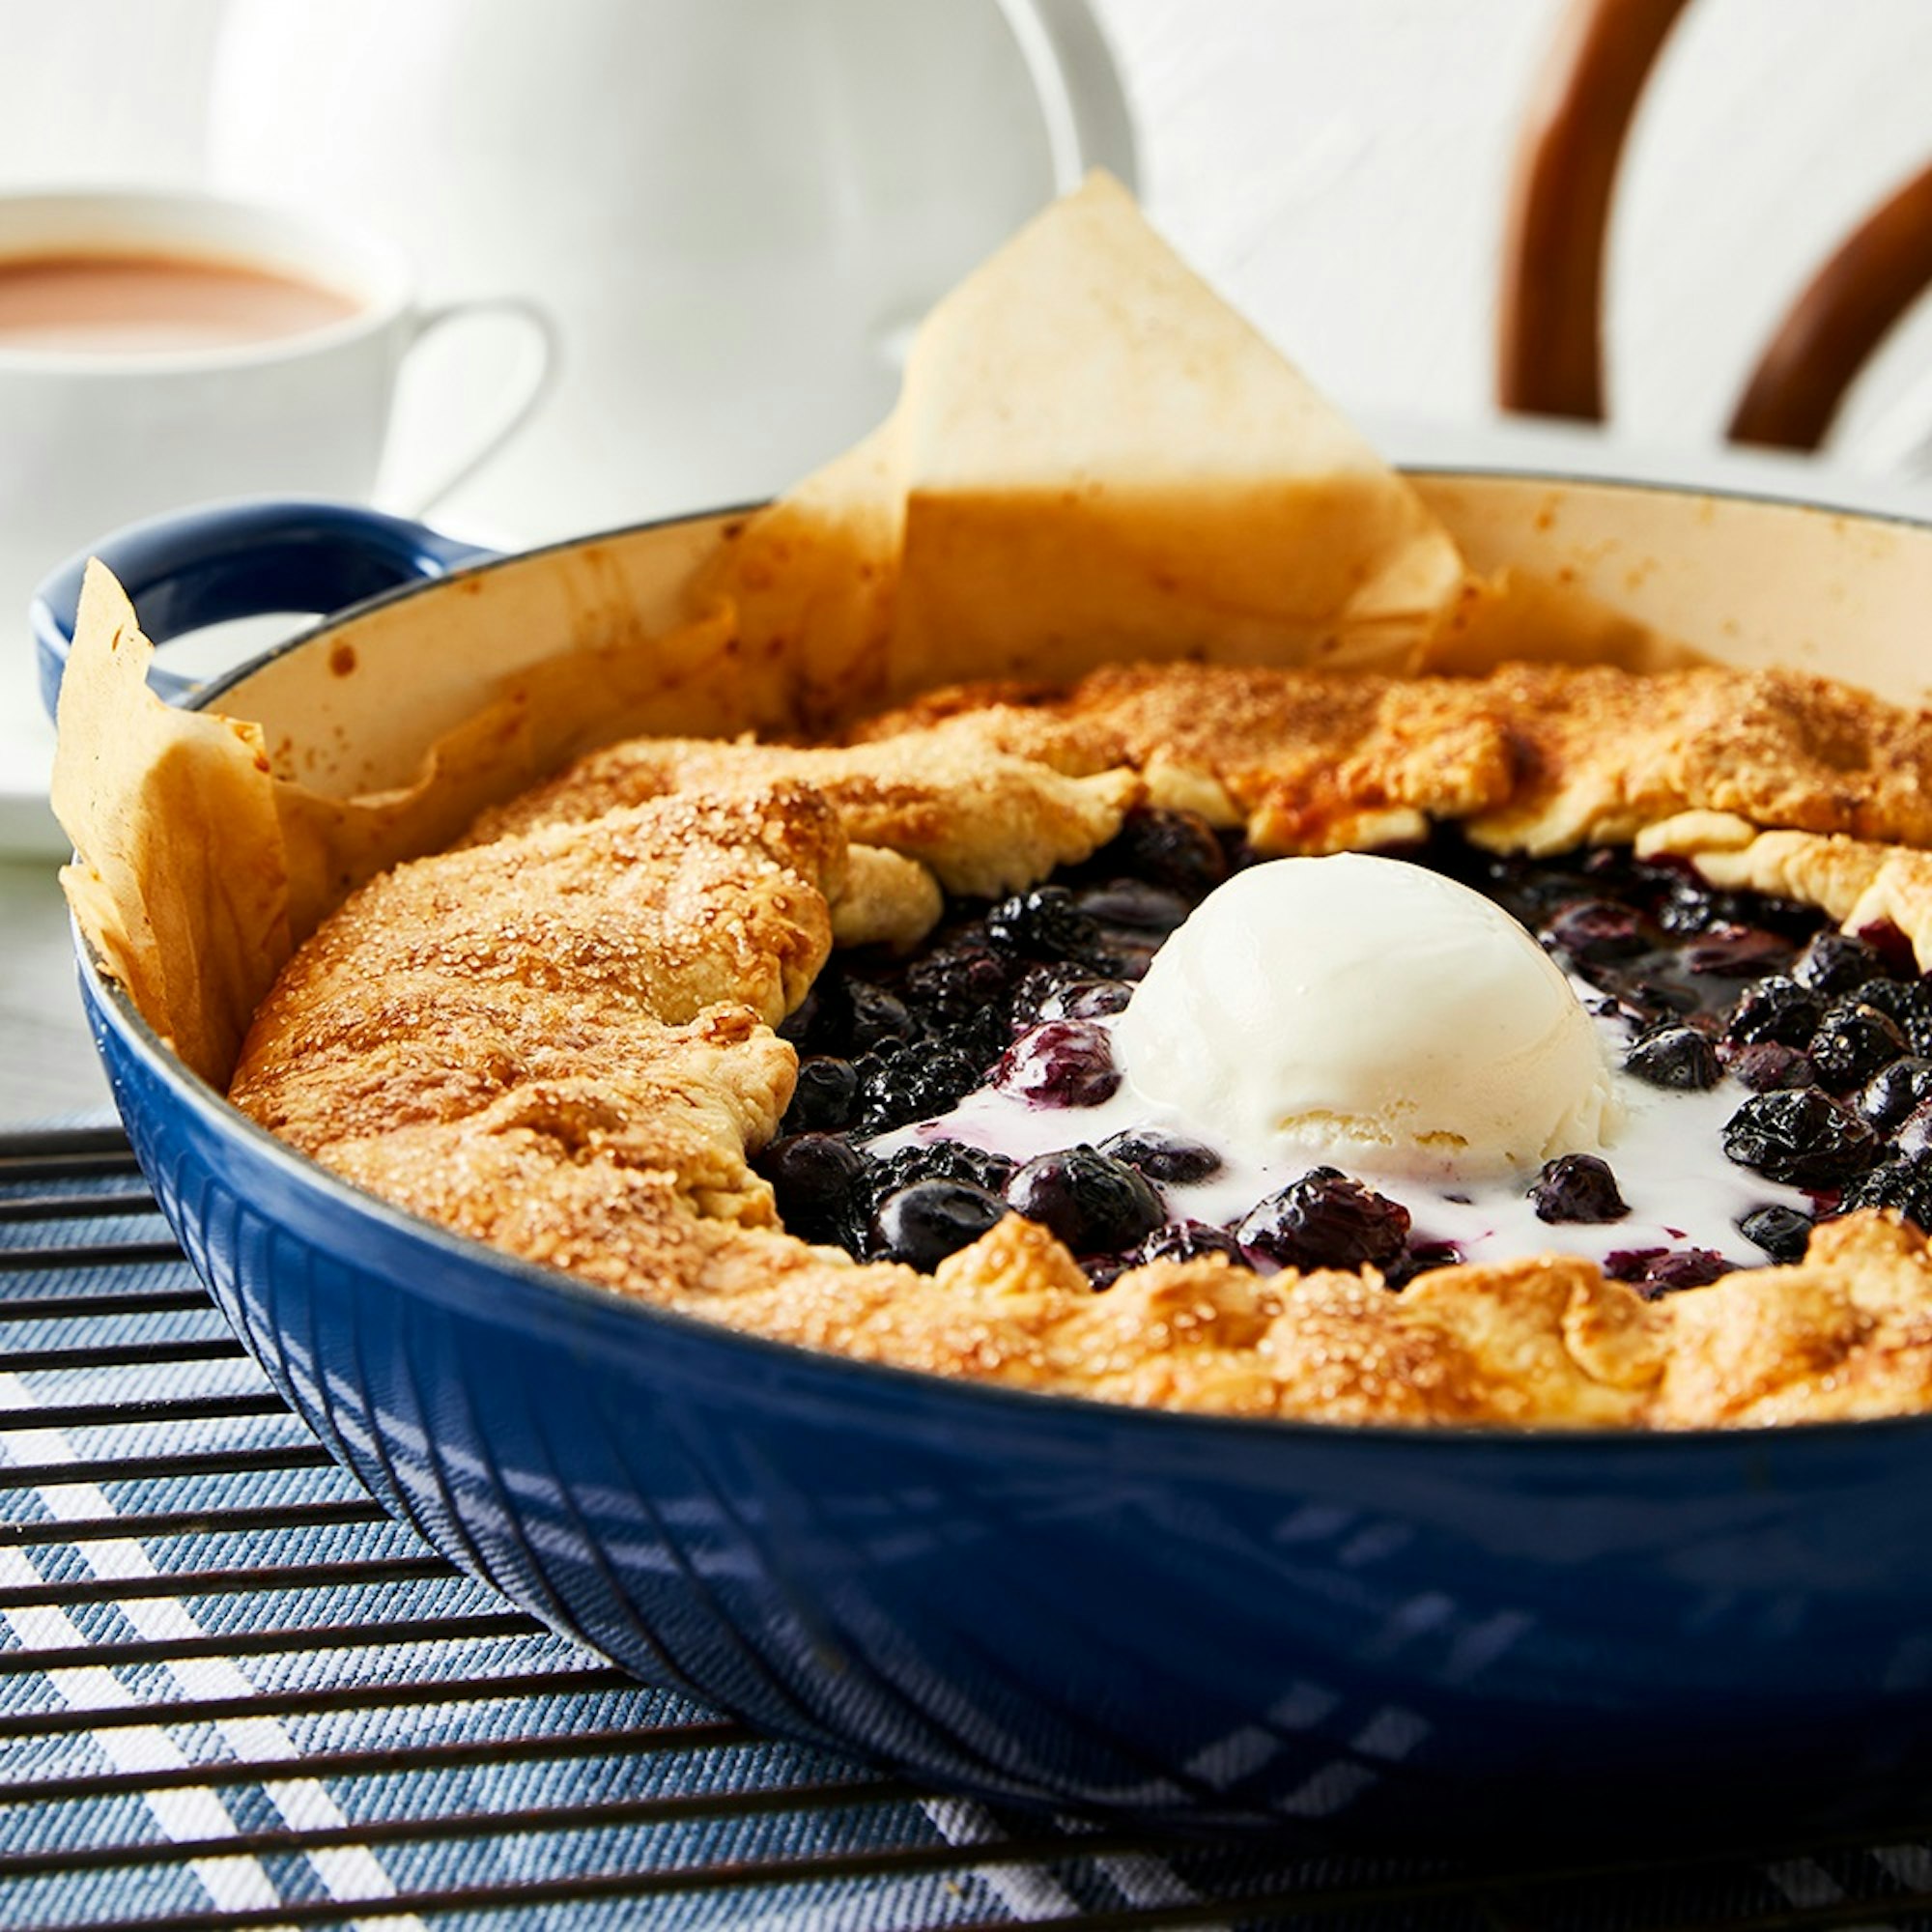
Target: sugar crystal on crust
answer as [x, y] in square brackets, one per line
[556, 1038]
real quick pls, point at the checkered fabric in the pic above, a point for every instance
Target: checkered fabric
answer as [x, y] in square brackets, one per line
[233, 1693]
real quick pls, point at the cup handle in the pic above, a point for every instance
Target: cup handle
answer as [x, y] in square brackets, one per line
[206, 566]
[1073, 73]
[537, 378]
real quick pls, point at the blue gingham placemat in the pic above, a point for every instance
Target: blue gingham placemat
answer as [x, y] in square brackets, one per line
[234, 1695]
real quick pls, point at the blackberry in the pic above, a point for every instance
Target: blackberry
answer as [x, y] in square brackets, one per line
[1186, 1241]
[1038, 985]
[1834, 963]
[1059, 1063]
[1909, 1003]
[1326, 1220]
[826, 1097]
[818, 1182]
[1803, 1137]
[1095, 1204]
[922, 1224]
[1577, 1187]
[1914, 1131]
[1676, 1057]
[1780, 1232]
[935, 1160]
[1045, 924]
[902, 1083]
[1896, 1091]
[1904, 1185]
[1776, 1008]
[1853, 1042]
[1175, 849]
[952, 990]
[1163, 1157]
[1655, 1271]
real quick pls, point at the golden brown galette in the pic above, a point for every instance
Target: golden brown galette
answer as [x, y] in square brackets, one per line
[562, 1038]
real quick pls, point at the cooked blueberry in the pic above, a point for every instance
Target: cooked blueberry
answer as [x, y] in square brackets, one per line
[1676, 1057]
[826, 1097]
[878, 1017]
[902, 1083]
[1904, 1185]
[1776, 1008]
[1135, 905]
[1661, 999]
[1044, 924]
[1659, 1272]
[1086, 1000]
[1803, 1137]
[1102, 1271]
[1894, 1091]
[1835, 962]
[1596, 932]
[1186, 1241]
[920, 1224]
[1577, 1187]
[1735, 952]
[821, 1022]
[1326, 1220]
[937, 1160]
[1095, 1204]
[816, 1178]
[1175, 849]
[1852, 1043]
[1169, 1158]
[1421, 1257]
[1780, 1232]
[1059, 1063]
[1767, 1066]
[1909, 1002]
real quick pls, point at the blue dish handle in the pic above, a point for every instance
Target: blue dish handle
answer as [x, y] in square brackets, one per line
[206, 566]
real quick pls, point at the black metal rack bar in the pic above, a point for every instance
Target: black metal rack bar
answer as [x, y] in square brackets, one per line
[270, 1706]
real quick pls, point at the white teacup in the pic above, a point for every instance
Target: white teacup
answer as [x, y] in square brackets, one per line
[100, 426]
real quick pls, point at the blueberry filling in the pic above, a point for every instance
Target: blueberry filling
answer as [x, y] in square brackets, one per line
[1325, 1220]
[1577, 1187]
[1828, 1037]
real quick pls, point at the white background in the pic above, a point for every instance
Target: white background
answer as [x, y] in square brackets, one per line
[1336, 167]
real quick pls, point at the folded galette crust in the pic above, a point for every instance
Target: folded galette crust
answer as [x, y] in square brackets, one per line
[557, 1036]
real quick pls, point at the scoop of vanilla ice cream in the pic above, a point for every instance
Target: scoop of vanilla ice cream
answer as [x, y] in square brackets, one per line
[1372, 1010]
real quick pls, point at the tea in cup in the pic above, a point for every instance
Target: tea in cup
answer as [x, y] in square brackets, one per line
[162, 350]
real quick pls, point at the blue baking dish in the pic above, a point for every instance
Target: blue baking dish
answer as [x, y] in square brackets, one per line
[1160, 1619]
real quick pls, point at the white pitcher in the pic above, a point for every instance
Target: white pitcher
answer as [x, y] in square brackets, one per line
[736, 209]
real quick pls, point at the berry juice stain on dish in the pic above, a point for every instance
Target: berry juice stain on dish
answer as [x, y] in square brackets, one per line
[1336, 1063]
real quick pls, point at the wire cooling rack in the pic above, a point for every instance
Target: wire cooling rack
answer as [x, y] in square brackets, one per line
[233, 1693]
